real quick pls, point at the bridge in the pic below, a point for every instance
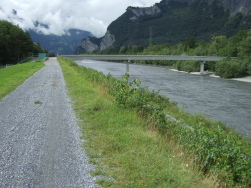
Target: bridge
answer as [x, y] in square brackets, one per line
[128, 58]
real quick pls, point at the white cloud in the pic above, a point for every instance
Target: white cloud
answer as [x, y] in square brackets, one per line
[61, 15]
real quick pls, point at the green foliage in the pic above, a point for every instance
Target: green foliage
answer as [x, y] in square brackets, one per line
[38, 49]
[238, 46]
[126, 150]
[245, 46]
[15, 44]
[131, 49]
[217, 44]
[175, 22]
[216, 148]
[188, 66]
[130, 95]
[191, 42]
[248, 63]
[231, 68]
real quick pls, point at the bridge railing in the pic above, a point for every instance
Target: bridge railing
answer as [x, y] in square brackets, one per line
[202, 59]
[145, 57]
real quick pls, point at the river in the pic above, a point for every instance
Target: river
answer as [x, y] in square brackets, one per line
[228, 101]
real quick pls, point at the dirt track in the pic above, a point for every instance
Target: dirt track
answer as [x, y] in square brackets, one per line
[39, 137]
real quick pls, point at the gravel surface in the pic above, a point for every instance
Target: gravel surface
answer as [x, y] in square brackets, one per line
[39, 136]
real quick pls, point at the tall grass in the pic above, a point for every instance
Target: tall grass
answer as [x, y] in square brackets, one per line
[126, 145]
[12, 77]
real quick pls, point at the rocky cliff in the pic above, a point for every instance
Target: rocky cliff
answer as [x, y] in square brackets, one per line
[137, 12]
[172, 21]
[88, 45]
[234, 6]
[107, 41]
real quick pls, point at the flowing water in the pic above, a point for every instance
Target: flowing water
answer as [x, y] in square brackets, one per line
[227, 101]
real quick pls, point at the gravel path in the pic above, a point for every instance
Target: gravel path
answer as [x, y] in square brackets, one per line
[39, 137]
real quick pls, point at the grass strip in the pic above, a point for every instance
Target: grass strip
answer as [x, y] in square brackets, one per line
[13, 76]
[124, 145]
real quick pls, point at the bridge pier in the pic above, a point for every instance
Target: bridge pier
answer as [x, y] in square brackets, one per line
[127, 66]
[202, 67]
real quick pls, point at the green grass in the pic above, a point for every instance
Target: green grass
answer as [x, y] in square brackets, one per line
[37, 102]
[14, 76]
[124, 145]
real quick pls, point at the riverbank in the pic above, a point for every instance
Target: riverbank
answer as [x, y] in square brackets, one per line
[212, 74]
[121, 143]
[105, 103]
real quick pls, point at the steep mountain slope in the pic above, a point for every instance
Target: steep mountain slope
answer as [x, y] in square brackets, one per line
[65, 44]
[172, 21]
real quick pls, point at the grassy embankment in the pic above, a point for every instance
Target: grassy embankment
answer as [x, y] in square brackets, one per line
[14, 76]
[130, 139]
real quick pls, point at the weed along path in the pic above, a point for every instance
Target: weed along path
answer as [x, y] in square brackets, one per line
[39, 139]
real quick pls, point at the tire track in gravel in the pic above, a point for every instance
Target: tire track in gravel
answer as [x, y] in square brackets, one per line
[39, 136]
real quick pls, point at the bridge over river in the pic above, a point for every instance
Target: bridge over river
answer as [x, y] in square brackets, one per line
[128, 58]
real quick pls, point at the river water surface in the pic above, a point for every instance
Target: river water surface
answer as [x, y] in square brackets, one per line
[227, 101]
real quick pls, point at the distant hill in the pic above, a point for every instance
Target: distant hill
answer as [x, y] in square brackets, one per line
[65, 44]
[173, 21]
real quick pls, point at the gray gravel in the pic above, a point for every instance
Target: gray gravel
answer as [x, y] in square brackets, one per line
[39, 143]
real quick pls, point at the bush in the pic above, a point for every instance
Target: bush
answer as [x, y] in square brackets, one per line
[247, 65]
[230, 68]
[130, 95]
[216, 149]
[249, 69]
[210, 66]
[188, 66]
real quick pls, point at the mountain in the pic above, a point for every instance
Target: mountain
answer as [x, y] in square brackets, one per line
[65, 44]
[173, 21]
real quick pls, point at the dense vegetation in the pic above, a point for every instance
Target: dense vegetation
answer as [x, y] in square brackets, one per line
[15, 44]
[211, 146]
[238, 46]
[176, 21]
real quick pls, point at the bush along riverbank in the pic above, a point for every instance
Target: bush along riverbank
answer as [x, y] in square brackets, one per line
[238, 46]
[130, 137]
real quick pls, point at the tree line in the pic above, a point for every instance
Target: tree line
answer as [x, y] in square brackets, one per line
[238, 46]
[15, 44]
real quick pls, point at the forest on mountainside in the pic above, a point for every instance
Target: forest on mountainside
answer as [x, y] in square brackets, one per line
[175, 22]
[238, 46]
[15, 44]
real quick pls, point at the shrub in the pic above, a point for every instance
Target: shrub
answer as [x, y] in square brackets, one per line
[247, 64]
[188, 66]
[230, 68]
[130, 95]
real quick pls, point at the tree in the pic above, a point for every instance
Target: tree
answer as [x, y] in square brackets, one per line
[218, 42]
[123, 50]
[191, 42]
[5, 42]
[14, 43]
[244, 49]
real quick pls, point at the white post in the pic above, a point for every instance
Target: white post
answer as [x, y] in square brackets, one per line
[202, 65]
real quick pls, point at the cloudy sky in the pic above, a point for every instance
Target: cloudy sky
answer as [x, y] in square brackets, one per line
[61, 15]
